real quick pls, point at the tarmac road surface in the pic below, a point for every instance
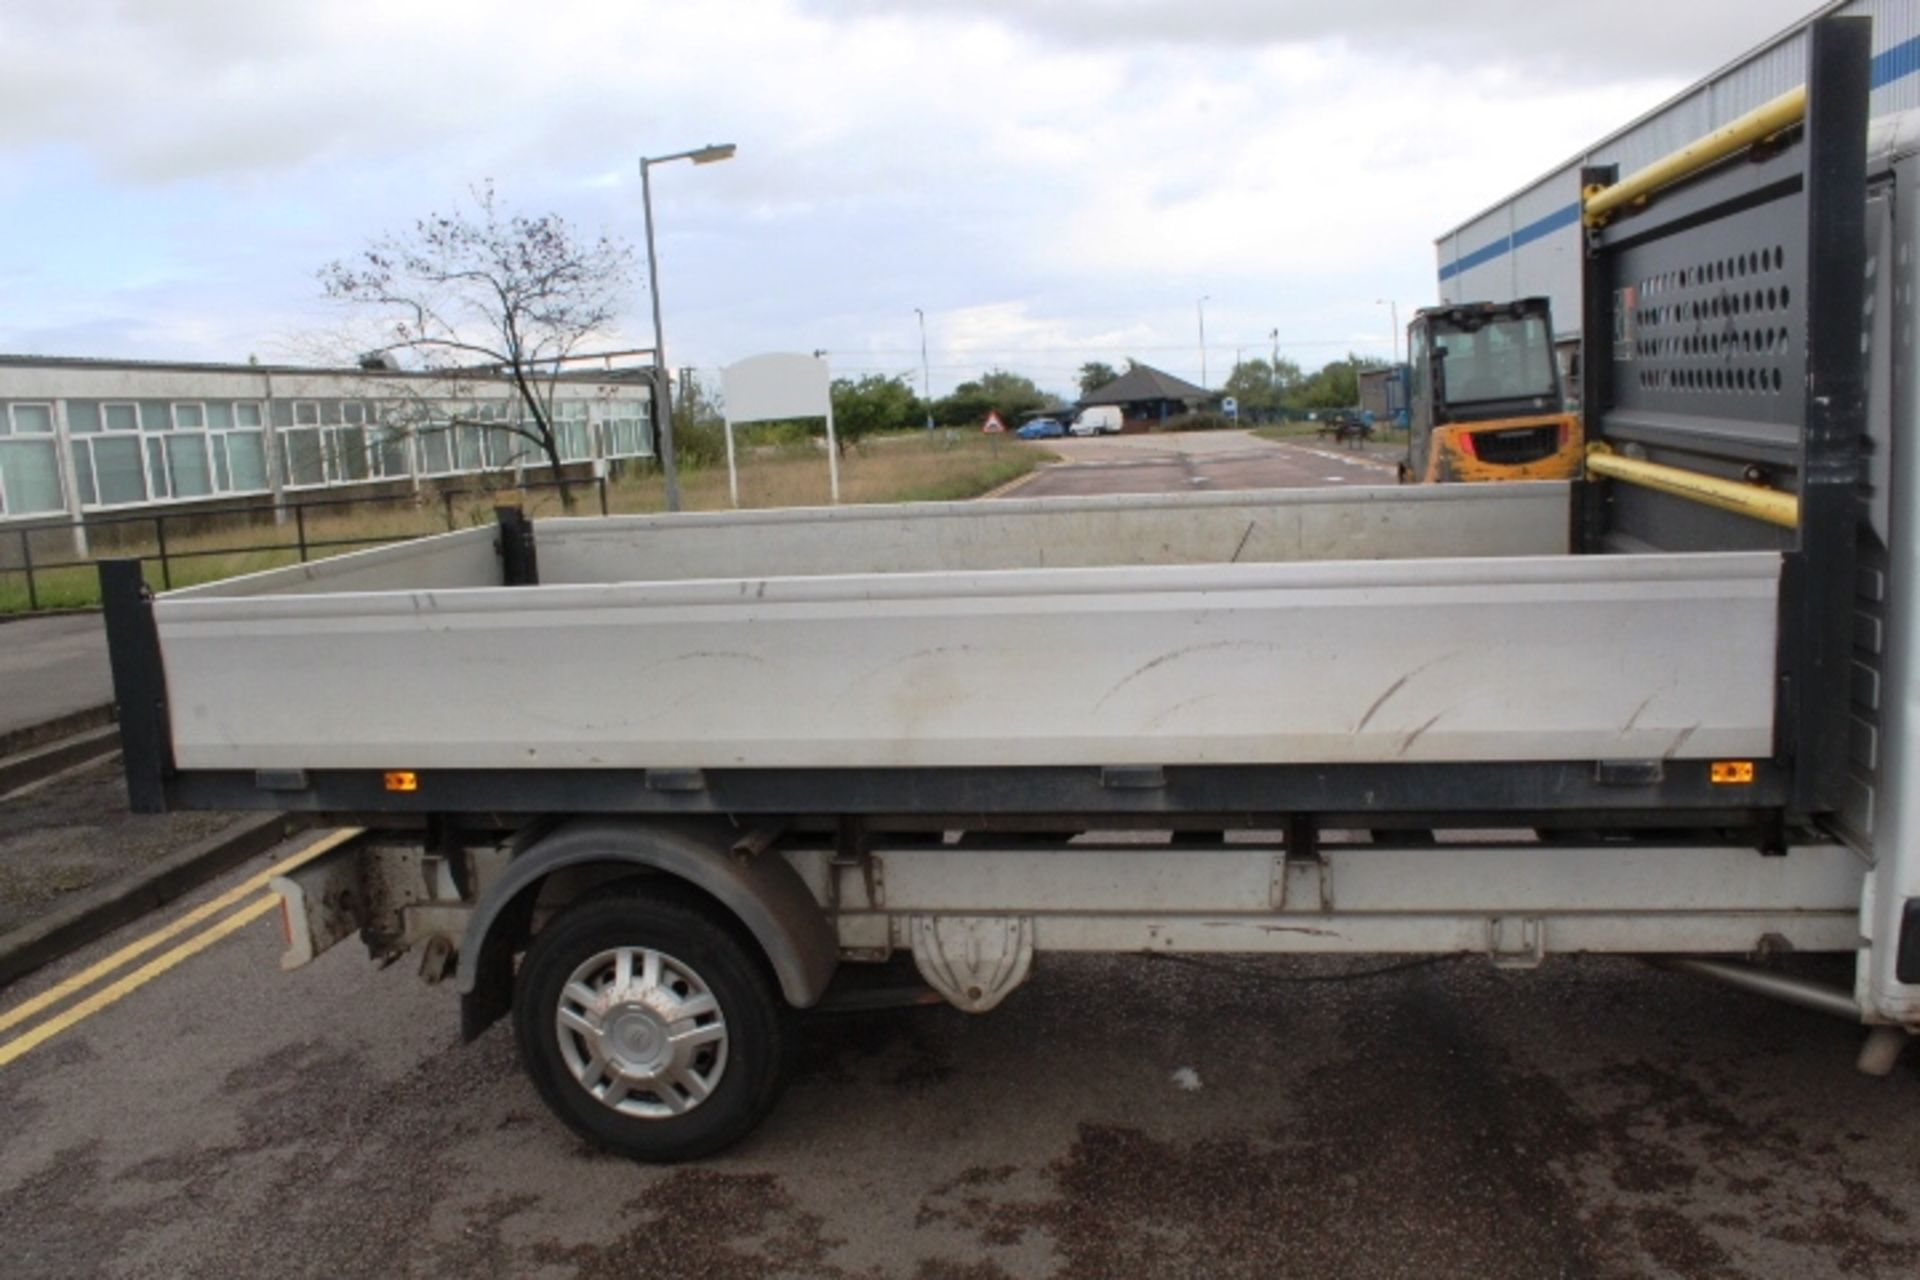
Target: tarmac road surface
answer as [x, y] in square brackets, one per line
[51, 666]
[1119, 1116]
[1200, 462]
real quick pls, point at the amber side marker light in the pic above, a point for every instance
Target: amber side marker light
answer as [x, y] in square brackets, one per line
[408, 780]
[1730, 773]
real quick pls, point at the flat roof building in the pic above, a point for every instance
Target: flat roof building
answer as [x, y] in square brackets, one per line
[79, 436]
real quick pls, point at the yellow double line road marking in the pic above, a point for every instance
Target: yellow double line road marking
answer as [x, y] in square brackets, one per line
[152, 969]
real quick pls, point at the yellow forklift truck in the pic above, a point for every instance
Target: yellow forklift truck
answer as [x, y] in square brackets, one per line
[1484, 396]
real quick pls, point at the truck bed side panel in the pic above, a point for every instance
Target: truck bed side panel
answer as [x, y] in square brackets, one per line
[1554, 658]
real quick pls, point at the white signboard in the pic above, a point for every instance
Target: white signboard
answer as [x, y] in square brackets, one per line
[775, 386]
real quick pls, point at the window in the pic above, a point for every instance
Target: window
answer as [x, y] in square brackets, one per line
[125, 452]
[325, 444]
[189, 465]
[436, 449]
[625, 433]
[239, 447]
[106, 452]
[1497, 359]
[506, 447]
[572, 431]
[29, 462]
[392, 452]
[351, 460]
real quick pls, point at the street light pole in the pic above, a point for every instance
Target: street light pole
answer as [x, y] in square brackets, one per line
[662, 389]
[1201, 307]
[926, 378]
[1273, 373]
[1394, 312]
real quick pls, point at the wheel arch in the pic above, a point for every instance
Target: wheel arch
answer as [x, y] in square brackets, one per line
[762, 892]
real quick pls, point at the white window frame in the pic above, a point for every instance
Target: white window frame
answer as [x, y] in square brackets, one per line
[51, 437]
[204, 433]
[118, 433]
[219, 437]
[14, 432]
[285, 435]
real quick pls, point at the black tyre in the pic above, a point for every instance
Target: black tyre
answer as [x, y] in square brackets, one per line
[651, 1025]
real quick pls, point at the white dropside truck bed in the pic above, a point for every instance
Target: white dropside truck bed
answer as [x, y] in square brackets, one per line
[1087, 632]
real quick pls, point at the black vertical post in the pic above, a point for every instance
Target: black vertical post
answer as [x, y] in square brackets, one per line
[519, 566]
[26, 562]
[1817, 582]
[1589, 511]
[300, 528]
[160, 540]
[139, 684]
[602, 482]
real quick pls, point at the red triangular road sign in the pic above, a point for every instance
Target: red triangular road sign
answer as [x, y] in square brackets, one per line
[993, 422]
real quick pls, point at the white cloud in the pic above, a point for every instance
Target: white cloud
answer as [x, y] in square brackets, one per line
[1051, 182]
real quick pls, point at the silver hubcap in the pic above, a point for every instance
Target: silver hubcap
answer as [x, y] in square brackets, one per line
[642, 1033]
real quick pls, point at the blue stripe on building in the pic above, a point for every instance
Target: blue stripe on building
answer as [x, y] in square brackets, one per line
[1897, 63]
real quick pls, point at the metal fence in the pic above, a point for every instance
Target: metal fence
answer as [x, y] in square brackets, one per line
[164, 540]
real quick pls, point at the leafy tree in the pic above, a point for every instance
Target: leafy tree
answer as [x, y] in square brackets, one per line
[481, 294]
[1336, 385]
[1011, 394]
[872, 404]
[1095, 374]
[1262, 387]
[699, 425]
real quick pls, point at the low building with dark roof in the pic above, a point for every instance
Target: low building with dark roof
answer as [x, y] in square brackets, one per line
[1148, 397]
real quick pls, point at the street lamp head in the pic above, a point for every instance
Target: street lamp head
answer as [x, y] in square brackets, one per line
[712, 153]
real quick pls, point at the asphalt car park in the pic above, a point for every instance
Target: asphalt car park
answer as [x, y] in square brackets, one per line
[1213, 461]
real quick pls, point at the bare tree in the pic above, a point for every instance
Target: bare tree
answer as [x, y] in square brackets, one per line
[482, 294]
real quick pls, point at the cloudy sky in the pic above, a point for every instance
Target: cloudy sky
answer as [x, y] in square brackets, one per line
[1051, 181]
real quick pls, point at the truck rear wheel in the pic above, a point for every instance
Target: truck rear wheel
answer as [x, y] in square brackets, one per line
[651, 1027]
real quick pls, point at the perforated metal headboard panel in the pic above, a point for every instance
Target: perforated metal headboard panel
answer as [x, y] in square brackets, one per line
[1722, 331]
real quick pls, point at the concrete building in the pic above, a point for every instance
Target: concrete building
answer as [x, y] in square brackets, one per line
[80, 437]
[1529, 243]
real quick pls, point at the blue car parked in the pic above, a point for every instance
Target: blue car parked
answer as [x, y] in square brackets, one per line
[1042, 429]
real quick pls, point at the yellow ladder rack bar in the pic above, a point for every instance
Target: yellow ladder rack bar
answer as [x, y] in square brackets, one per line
[1757, 501]
[1762, 122]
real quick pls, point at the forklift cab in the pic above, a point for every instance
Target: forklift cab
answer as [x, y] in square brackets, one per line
[1485, 399]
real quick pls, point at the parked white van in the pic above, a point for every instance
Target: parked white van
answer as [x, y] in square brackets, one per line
[1097, 420]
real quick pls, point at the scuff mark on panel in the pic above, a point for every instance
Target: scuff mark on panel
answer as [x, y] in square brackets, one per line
[1407, 742]
[1634, 719]
[1270, 928]
[1398, 685]
[1235, 558]
[1679, 742]
[1185, 651]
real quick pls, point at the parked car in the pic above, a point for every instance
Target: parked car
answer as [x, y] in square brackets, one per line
[1042, 429]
